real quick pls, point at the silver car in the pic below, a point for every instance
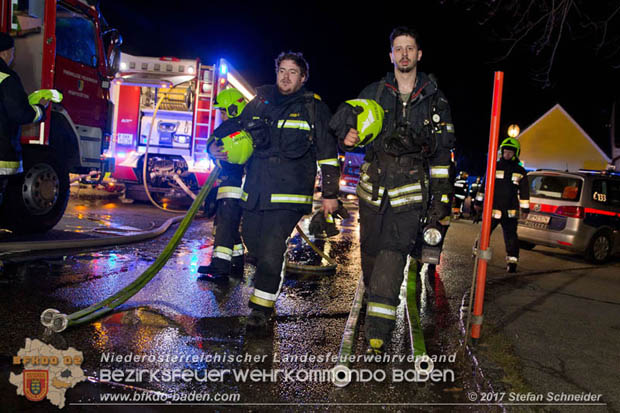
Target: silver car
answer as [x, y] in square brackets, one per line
[577, 211]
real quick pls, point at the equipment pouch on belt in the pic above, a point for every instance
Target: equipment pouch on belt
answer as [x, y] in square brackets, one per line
[260, 131]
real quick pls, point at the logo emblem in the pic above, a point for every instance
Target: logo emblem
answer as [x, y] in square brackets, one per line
[35, 384]
[537, 207]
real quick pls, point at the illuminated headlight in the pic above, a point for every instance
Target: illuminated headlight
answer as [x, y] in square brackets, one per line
[343, 182]
[432, 236]
[182, 139]
[123, 66]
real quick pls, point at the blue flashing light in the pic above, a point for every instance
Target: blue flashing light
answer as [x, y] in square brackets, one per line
[223, 69]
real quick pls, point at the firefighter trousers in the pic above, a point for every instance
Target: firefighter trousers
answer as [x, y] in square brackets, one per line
[265, 233]
[386, 238]
[509, 227]
[228, 248]
[4, 182]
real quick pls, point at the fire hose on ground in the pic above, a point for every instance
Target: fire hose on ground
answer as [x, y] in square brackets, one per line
[58, 322]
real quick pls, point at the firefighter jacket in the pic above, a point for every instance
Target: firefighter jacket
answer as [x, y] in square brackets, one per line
[232, 174]
[290, 135]
[512, 189]
[413, 146]
[14, 112]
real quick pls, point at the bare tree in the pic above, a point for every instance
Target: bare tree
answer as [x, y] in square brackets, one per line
[547, 28]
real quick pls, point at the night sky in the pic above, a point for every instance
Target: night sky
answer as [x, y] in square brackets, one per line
[347, 47]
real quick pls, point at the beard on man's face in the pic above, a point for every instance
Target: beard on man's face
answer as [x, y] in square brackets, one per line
[405, 69]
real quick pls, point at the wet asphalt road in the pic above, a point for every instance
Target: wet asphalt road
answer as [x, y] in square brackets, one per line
[178, 314]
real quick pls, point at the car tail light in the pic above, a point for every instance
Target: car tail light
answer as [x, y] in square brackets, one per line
[570, 211]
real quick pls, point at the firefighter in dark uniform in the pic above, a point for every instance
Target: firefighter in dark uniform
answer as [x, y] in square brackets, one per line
[417, 136]
[475, 188]
[512, 192]
[227, 258]
[288, 125]
[460, 193]
[15, 110]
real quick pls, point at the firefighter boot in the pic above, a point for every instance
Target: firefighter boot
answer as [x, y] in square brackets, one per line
[511, 264]
[218, 271]
[236, 268]
[376, 347]
[257, 320]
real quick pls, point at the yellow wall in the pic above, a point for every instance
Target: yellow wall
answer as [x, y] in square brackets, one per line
[555, 141]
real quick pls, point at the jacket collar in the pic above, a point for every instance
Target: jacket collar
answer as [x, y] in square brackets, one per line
[272, 94]
[424, 85]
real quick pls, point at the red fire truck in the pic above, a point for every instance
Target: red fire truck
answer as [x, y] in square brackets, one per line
[68, 46]
[177, 151]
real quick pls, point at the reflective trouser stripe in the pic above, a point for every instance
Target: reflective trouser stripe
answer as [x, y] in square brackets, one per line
[233, 192]
[10, 167]
[512, 260]
[445, 199]
[381, 310]
[262, 302]
[479, 197]
[524, 203]
[460, 196]
[512, 213]
[238, 250]
[244, 196]
[497, 214]
[291, 199]
[330, 161]
[263, 298]
[222, 253]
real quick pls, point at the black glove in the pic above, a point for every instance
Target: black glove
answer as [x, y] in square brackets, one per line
[319, 227]
[260, 131]
[344, 119]
[341, 212]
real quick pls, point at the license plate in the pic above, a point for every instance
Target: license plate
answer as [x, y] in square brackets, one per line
[542, 219]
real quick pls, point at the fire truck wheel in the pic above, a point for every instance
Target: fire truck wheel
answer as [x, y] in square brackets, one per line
[36, 200]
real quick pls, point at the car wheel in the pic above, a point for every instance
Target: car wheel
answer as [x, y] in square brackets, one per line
[526, 245]
[600, 247]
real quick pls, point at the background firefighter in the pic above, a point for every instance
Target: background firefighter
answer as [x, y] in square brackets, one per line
[417, 136]
[511, 193]
[227, 258]
[460, 193]
[289, 127]
[15, 110]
